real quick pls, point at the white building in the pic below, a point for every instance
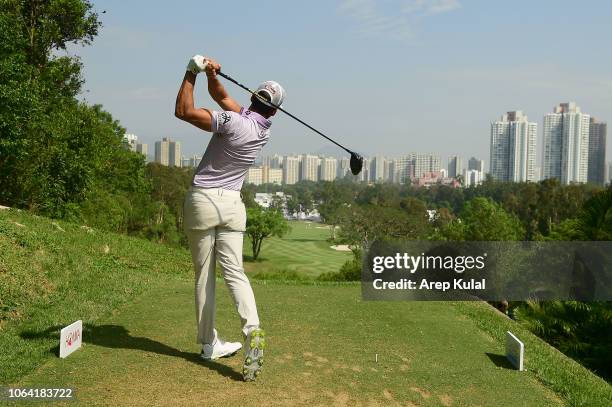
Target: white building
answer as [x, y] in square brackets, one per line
[191, 162]
[343, 168]
[472, 177]
[513, 148]
[131, 140]
[364, 175]
[309, 168]
[566, 144]
[328, 169]
[291, 170]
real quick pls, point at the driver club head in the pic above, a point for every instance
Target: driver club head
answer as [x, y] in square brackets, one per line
[356, 163]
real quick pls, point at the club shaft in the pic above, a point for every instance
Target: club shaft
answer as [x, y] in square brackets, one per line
[229, 78]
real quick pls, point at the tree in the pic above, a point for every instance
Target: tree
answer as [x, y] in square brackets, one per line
[483, 220]
[51, 143]
[596, 216]
[292, 205]
[262, 224]
[333, 201]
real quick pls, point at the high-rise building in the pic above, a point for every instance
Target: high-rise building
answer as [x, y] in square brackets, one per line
[413, 166]
[254, 176]
[472, 177]
[609, 173]
[388, 174]
[343, 168]
[273, 176]
[566, 144]
[423, 163]
[142, 149]
[168, 152]
[364, 175]
[309, 169]
[291, 169]
[377, 169]
[513, 148]
[273, 161]
[401, 170]
[476, 164]
[597, 152]
[455, 166]
[328, 169]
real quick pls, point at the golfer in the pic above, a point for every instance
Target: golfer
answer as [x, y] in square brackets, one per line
[214, 215]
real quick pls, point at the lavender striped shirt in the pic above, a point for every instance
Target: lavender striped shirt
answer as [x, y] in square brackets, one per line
[237, 139]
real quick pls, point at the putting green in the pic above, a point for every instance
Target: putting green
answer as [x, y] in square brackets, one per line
[323, 343]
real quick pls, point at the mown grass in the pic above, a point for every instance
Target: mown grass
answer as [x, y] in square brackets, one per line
[53, 273]
[326, 347]
[303, 253]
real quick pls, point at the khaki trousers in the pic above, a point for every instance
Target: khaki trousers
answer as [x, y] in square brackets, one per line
[215, 221]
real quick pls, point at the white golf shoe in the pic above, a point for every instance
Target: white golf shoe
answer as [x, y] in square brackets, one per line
[254, 346]
[219, 349]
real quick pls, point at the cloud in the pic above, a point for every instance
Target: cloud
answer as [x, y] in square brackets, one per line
[392, 18]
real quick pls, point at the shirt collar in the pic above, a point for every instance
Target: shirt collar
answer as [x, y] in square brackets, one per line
[262, 121]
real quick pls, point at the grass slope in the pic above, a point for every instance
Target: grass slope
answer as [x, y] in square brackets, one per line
[53, 273]
[136, 299]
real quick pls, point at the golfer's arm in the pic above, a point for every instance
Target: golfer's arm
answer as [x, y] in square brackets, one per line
[220, 95]
[184, 108]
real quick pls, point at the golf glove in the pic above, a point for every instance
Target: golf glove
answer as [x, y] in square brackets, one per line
[197, 64]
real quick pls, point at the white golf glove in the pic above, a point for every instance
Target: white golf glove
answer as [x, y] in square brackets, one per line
[197, 64]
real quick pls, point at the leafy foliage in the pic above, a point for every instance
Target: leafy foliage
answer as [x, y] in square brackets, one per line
[580, 330]
[262, 223]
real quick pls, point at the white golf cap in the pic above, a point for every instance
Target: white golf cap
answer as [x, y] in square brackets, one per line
[274, 90]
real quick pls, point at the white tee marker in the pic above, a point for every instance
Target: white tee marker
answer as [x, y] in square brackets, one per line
[515, 351]
[70, 338]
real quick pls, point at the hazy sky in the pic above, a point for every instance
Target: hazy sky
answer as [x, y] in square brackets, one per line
[384, 77]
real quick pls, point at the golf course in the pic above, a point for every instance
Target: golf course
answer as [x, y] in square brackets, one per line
[325, 345]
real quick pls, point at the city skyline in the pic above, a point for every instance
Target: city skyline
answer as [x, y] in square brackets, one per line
[528, 135]
[435, 69]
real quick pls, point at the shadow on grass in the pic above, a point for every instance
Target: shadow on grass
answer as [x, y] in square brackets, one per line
[500, 360]
[118, 337]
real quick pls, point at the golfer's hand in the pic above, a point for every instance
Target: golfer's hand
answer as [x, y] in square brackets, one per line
[212, 67]
[197, 64]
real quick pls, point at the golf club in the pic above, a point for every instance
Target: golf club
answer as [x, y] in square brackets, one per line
[356, 159]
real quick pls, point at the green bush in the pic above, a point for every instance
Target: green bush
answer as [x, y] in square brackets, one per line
[350, 270]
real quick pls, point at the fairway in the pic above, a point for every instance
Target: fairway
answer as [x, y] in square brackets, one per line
[304, 249]
[323, 346]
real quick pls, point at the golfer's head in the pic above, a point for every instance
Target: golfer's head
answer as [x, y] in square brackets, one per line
[271, 94]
